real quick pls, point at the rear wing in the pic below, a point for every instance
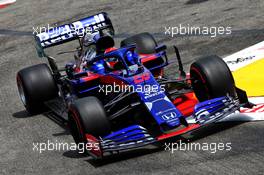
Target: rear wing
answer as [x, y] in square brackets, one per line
[68, 32]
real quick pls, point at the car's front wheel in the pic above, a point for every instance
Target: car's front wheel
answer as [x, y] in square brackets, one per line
[87, 116]
[211, 78]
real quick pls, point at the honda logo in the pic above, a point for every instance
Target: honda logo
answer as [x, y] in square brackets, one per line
[169, 116]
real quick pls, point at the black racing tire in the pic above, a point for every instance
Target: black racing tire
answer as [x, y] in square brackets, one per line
[145, 43]
[87, 116]
[35, 86]
[211, 78]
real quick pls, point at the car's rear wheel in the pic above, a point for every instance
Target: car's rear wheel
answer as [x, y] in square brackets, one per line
[211, 78]
[145, 43]
[87, 116]
[35, 86]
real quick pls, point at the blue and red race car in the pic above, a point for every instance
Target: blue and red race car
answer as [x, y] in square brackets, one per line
[119, 98]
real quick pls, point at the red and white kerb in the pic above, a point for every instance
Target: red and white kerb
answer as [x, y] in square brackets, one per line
[4, 3]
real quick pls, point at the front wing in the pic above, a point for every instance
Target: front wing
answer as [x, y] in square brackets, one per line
[136, 136]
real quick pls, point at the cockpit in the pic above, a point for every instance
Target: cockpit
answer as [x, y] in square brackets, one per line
[124, 61]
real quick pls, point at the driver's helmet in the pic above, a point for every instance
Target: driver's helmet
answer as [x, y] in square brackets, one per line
[131, 58]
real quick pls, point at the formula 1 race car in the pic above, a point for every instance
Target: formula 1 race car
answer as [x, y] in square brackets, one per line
[119, 98]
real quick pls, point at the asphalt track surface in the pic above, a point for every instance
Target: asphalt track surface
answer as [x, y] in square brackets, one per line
[18, 131]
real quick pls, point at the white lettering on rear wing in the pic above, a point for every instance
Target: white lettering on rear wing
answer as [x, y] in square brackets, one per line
[58, 35]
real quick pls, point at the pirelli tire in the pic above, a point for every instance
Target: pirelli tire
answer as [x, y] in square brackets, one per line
[211, 78]
[36, 85]
[87, 116]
